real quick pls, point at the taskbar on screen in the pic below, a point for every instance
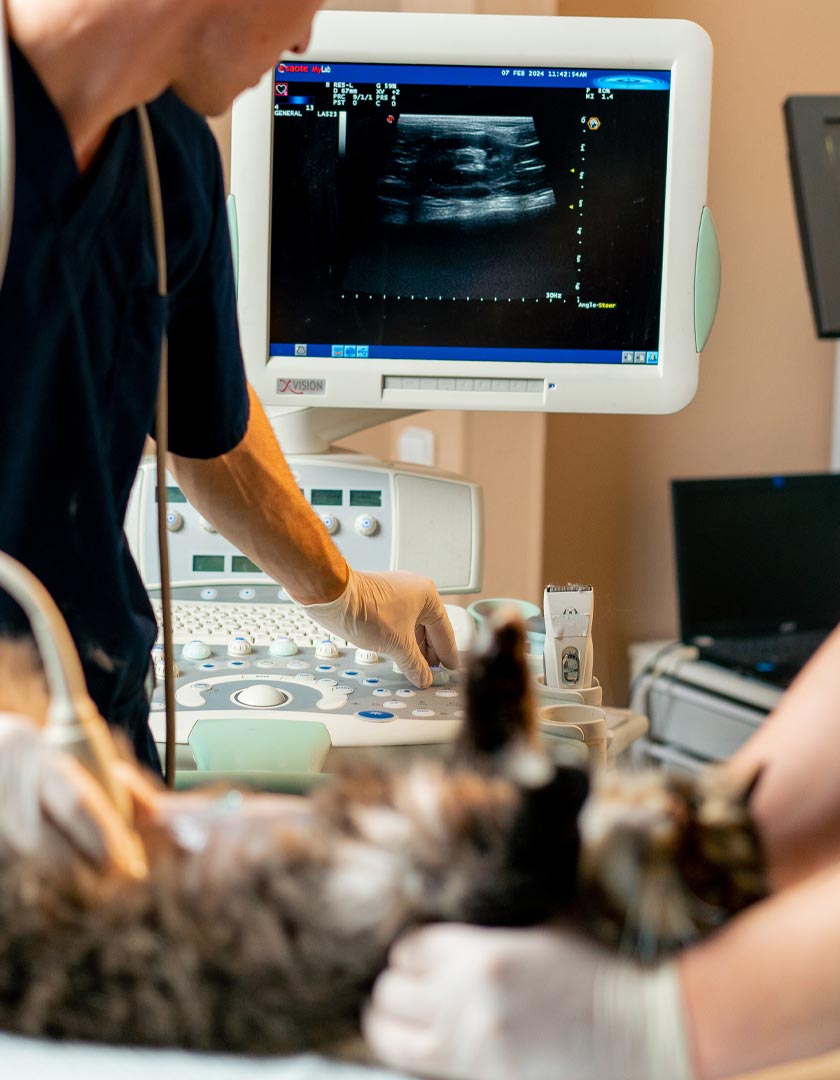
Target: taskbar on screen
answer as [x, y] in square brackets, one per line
[302, 350]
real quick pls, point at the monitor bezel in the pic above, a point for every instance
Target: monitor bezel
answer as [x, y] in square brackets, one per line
[678, 46]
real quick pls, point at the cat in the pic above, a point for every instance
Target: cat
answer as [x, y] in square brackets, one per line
[262, 926]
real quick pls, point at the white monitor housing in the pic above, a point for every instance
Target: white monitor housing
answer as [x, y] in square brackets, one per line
[478, 212]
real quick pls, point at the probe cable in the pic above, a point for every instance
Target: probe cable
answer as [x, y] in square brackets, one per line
[161, 438]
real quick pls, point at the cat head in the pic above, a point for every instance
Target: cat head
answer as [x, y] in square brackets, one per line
[668, 857]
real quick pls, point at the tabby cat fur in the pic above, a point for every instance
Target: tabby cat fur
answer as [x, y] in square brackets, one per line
[261, 930]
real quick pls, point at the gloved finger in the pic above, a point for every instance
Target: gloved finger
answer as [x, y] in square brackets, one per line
[439, 632]
[401, 1044]
[426, 647]
[412, 664]
[426, 949]
[405, 997]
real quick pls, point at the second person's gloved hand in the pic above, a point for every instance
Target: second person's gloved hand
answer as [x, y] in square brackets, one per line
[396, 613]
[470, 1003]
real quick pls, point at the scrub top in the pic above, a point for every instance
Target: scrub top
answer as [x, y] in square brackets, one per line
[80, 333]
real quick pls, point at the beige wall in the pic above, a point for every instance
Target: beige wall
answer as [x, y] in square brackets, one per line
[764, 399]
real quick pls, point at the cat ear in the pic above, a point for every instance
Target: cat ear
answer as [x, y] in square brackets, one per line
[500, 712]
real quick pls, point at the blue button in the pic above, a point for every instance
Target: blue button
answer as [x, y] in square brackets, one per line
[375, 715]
[207, 667]
[370, 682]
[350, 674]
[765, 666]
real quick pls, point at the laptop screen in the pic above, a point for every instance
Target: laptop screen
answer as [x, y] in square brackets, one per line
[757, 555]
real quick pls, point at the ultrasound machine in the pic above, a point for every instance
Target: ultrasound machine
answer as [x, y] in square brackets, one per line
[432, 212]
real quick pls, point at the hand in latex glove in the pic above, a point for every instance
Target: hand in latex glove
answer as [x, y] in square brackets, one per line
[52, 808]
[397, 614]
[478, 1004]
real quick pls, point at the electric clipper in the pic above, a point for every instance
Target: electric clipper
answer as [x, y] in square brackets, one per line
[568, 636]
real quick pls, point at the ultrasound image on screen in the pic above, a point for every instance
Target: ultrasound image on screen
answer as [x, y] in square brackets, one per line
[469, 216]
[474, 186]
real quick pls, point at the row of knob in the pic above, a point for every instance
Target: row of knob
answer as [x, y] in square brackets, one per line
[240, 645]
[365, 524]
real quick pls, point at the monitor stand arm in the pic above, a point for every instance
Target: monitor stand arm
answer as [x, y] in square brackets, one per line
[314, 430]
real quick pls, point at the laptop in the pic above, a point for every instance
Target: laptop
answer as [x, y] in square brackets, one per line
[758, 569]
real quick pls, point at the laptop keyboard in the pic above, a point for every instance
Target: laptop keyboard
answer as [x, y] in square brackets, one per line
[776, 657]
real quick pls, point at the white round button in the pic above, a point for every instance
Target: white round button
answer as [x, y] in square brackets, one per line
[423, 712]
[446, 693]
[195, 650]
[297, 665]
[406, 693]
[367, 525]
[382, 691]
[174, 521]
[331, 523]
[261, 696]
[205, 524]
[328, 684]
[283, 646]
[327, 650]
[247, 594]
[209, 594]
[239, 646]
[395, 705]
[366, 656]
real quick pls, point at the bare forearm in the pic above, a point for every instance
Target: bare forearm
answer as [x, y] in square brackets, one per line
[251, 497]
[767, 988]
[797, 800]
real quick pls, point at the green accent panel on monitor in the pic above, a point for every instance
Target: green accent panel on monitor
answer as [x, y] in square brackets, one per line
[265, 744]
[707, 279]
[233, 225]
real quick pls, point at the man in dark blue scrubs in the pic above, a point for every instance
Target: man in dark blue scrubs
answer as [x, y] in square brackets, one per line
[81, 325]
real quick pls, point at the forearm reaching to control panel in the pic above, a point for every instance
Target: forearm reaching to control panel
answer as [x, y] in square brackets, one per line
[252, 498]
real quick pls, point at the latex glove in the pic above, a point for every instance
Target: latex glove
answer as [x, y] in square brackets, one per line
[398, 614]
[52, 808]
[477, 1004]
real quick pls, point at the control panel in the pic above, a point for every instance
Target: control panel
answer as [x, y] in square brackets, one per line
[380, 517]
[241, 660]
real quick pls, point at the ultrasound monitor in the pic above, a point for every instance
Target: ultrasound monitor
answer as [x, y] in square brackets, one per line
[478, 212]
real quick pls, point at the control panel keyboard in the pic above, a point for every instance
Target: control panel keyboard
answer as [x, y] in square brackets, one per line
[251, 659]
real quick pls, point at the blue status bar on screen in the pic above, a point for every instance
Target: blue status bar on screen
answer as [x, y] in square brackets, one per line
[440, 75]
[522, 356]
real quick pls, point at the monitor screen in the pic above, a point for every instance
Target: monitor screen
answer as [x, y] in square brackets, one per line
[491, 212]
[481, 214]
[757, 555]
